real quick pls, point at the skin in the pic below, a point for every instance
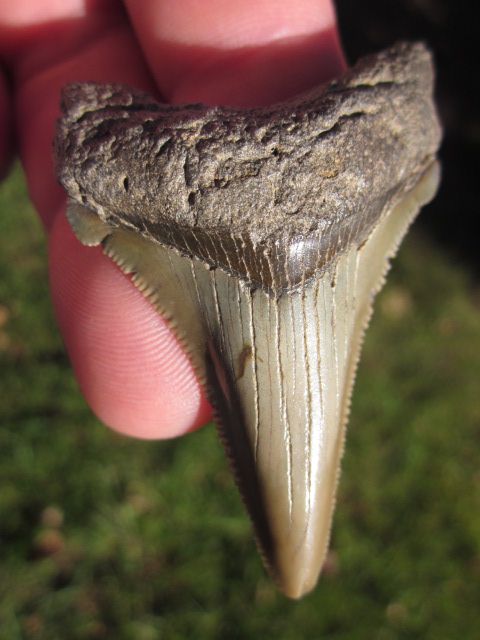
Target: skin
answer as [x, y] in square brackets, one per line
[129, 366]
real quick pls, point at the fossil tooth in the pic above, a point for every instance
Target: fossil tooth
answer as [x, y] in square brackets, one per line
[263, 236]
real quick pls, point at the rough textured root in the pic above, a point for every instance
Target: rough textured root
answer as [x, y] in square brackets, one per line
[316, 163]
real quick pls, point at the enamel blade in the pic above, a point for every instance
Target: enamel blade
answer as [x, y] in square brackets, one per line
[263, 237]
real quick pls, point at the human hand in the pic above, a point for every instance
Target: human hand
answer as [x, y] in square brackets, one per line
[129, 366]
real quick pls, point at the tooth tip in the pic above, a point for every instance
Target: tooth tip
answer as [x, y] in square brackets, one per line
[297, 587]
[298, 577]
[301, 542]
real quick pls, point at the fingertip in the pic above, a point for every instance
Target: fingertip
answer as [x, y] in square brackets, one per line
[129, 366]
[247, 78]
[250, 53]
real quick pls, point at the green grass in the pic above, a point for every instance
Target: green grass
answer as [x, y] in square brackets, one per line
[105, 537]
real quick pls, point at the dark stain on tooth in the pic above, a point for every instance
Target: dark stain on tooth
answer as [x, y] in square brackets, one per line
[244, 357]
[229, 417]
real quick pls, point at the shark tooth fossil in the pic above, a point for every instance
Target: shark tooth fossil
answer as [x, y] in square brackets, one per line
[263, 235]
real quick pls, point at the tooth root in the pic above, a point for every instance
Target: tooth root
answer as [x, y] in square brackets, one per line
[279, 370]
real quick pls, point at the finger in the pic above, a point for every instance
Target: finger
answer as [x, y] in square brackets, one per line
[88, 362]
[241, 53]
[49, 44]
[128, 364]
[130, 368]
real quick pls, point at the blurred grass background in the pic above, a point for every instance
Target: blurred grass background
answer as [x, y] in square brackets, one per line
[105, 537]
